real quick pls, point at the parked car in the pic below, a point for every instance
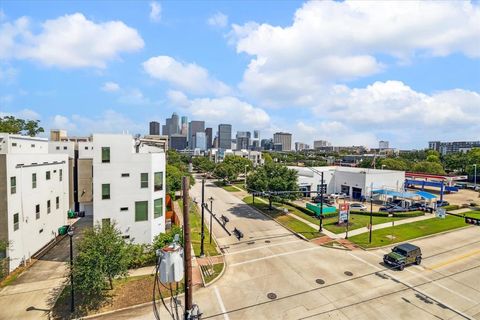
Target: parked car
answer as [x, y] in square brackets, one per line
[442, 203]
[338, 195]
[417, 206]
[358, 206]
[392, 209]
[403, 255]
[326, 200]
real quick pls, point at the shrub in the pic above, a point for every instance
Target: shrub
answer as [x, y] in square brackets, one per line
[140, 255]
[451, 207]
[164, 239]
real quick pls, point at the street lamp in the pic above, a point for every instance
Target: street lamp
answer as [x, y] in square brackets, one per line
[211, 216]
[475, 177]
[202, 254]
[72, 301]
[245, 184]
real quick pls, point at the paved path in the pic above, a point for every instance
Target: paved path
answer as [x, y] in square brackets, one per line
[34, 292]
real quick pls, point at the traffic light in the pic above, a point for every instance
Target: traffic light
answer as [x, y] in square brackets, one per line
[473, 221]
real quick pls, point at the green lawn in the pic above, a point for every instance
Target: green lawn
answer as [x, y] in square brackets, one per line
[356, 221]
[217, 268]
[195, 232]
[412, 230]
[285, 220]
[230, 188]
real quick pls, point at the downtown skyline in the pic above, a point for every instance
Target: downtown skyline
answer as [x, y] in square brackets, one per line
[272, 66]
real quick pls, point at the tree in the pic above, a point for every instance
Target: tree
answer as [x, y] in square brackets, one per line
[273, 177]
[267, 157]
[14, 125]
[239, 163]
[428, 167]
[102, 256]
[394, 164]
[225, 171]
[203, 164]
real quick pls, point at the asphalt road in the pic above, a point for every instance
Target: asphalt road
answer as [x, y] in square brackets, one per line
[313, 282]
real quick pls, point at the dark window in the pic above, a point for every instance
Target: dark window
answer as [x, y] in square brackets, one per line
[33, 146]
[14, 144]
[143, 180]
[58, 148]
[34, 180]
[124, 209]
[47, 175]
[105, 191]
[158, 181]
[40, 231]
[141, 211]
[105, 154]
[61, 175]
[86, 148]
[125, 175]
[37, 211]
[16, 223]
[13, 185]
[49, 209]
[57, 202]
[64, 148]
[157, 208]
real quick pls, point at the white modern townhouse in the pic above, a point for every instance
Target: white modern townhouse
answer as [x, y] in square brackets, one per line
[128, 185]
[34, 195]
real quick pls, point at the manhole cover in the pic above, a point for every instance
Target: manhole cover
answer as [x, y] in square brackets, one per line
[320, 281]
[267, 241]
[272, 296]
[348, 273]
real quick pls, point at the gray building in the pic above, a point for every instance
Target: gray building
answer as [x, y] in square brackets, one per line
[283, 138]
[184, 126]
[452, 147]
[178, 142]
[193, 128]
[243, 140]
[209, 137]
[266, 144]
[382, 144]
[224, 136]
[154, 128]
[172, 125]
[317, 144]
[299, 146]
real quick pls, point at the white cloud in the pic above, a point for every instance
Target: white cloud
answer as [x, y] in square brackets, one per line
[110, 87]
[186, 76]
[332, 41]
[218, 20]
[108, 122]
[155, 11]
[69, 41]
[222, 110]
[27, 114]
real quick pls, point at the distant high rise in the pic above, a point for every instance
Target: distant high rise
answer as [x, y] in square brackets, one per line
[171, 125]
[184, 126]
[242, 140]
[209, 137]
[224, 136]
[200, 141]
[382, 144]
[452, 147]
[178, 142]
[154, 128]
[193, 128]
[283, 138]
[299, 146]
[256, 134]
[266, 144]
[320, 144]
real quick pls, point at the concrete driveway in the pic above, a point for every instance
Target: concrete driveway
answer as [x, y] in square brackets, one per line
[34, 292]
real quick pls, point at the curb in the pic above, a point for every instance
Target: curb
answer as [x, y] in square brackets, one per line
[414, 239]
[206, 285]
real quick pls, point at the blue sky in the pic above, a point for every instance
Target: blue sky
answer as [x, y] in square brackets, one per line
[348, 72]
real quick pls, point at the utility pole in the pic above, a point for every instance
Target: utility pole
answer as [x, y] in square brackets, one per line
[202, 253]
[321, 205]
[371, 213]
[187, 249]
[211, 216]
[475, 177]
[72, 292]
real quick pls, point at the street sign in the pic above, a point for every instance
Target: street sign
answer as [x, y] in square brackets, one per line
[440, 213]
[343, 211]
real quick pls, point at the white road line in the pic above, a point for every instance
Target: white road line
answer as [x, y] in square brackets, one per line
[261, 247]
[412, 286]
[434, 282]
[274, 256]
[220, 302]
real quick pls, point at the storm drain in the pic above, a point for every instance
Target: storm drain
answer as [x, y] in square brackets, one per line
[320, 281]
[348, 273]
[271, 296]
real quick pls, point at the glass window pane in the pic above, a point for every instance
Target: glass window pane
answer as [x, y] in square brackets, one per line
[16, 223]
[106, 154]
[34, 180]
[141, 211]
[157, 208]
[13, 185]
[158, 181]
[143, 180]
[106, 191]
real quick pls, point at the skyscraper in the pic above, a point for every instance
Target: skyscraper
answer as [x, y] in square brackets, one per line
[184, 126]
[200, 141]
[382, 144]
[154, 128]
[283, 138]
[209, 133]
[243, 140]
[193, 128]
[224, 136]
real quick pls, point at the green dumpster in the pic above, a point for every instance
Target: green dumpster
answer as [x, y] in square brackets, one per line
[71, 214]
[62, 230]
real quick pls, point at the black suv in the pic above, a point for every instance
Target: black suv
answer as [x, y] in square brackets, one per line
[403, 255]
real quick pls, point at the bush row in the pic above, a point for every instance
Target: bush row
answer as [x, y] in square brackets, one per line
[409, 214]
[310, 212]
[451, 207]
